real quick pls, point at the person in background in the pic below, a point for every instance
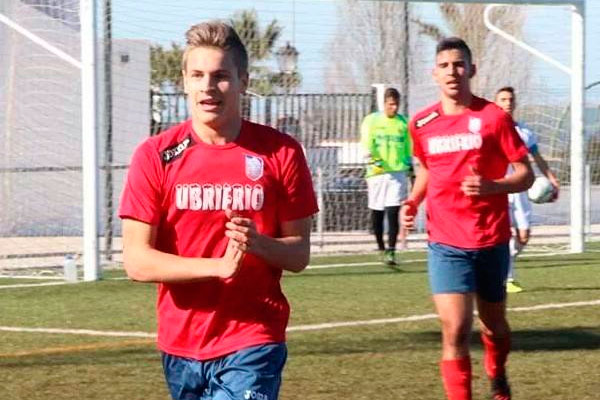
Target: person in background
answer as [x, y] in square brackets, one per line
[385, 139]
[520, 206]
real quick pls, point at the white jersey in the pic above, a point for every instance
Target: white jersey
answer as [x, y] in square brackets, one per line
[520, 207]
[528, 137]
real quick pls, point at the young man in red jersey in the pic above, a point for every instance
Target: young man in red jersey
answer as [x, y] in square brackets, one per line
[214, 209]
[465, 144]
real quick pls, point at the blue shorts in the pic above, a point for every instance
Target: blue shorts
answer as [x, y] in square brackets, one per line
[252, 373]
[457, 270]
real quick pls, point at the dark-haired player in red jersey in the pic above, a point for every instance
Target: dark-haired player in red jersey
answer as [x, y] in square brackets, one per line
[214, 209]
[465, 144]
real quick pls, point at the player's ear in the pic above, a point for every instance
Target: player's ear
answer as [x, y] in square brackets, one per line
[472, 70]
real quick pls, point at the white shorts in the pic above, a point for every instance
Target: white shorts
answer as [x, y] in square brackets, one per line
[520, 210]
[387, 190]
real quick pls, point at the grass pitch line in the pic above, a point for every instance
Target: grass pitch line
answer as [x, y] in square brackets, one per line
[79, 348]
[529, 253]
[317, 327]
[89, 332]
[555, 305]
[412, 260]
[431, 316]
[340, 265]
[298, 328]
[26, 285]
[34, 277]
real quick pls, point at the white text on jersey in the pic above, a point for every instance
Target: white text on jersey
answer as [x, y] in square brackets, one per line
[211, 197]
[454, 143]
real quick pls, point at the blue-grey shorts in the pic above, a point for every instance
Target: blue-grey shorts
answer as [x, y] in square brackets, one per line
[457, 270]
[252, 373]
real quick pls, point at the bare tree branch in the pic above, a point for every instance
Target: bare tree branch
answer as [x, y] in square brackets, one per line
[368, 46]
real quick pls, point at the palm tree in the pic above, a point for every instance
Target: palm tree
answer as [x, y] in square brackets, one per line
[166, 66]
[259, 44]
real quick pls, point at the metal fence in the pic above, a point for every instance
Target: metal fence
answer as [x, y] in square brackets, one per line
[326, 125]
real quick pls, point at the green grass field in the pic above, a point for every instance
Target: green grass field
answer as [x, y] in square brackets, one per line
[556, 349]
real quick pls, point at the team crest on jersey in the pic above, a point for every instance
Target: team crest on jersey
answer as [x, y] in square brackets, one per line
[474, 125]
[254, 167]
[173, 152]
[427, 119]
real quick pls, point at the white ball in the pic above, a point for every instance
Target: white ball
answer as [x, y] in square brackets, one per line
[541, 191]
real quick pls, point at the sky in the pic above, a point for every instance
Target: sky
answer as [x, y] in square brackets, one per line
[310, 25]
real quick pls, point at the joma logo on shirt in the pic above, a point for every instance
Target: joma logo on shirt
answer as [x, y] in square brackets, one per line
[251, 394]
[454, 143]
[172, 153]
[427, 119]
[209, 197]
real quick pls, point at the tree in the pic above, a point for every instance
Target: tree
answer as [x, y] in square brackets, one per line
[368, 46]
[372, 41]
[259, 44]
[166, 66]
[493, 55]
[166, 62]
[165, 76]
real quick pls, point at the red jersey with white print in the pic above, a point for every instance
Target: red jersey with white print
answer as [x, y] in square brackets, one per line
[182, 186]
[481, 139]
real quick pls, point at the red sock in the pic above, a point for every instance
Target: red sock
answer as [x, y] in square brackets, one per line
[456, 375]
[495, 354]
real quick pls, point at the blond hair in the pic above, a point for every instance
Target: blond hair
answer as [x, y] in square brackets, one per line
[216, 34]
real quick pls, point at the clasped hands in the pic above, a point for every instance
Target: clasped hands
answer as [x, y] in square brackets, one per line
[242, 235]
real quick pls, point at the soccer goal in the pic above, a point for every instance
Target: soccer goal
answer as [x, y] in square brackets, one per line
[82, 82]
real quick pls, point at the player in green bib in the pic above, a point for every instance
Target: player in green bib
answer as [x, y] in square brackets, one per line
[385, 138]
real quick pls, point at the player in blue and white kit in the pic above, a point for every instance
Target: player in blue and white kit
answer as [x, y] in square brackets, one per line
[520, 206]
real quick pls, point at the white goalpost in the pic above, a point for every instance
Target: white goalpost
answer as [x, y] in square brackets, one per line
[89, 141]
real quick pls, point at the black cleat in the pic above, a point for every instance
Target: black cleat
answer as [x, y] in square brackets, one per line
[500, 388]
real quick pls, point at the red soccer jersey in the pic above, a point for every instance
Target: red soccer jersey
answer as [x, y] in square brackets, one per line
[182, 185]
[482, 138]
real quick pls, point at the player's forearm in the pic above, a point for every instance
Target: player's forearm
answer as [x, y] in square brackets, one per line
[146, 264]
[544, 168]
[519, 181]
[290, 253]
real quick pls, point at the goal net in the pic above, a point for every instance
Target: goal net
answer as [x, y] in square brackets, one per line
[346, 49]
[40, 167]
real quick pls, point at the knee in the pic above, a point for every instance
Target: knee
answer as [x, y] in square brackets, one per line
[495, 329]
[456, 334]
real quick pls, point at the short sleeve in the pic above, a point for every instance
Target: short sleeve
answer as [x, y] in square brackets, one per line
[510, 141]
[299, 200]
[528, 138]
[141, 196]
